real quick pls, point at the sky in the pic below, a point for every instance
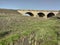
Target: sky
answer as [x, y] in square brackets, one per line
[31, 4]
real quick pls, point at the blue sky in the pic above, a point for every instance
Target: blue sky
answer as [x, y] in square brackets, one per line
[31, 4]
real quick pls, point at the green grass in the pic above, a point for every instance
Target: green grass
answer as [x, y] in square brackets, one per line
[45, 30]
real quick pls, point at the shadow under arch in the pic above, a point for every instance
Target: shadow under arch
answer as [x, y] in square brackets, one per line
[50, 15]
[29, 14]
[41, 14]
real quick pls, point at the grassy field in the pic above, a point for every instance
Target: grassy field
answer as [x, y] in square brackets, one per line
[22, 30]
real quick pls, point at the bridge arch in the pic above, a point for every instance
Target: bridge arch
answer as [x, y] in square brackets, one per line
[41, 14]
[29, 14]
[50, 15]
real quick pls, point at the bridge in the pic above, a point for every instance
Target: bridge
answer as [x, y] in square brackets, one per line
[39, 13]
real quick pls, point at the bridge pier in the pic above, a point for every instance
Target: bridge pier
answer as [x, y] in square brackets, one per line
[46, 13]
[45, 17]
[35, 14]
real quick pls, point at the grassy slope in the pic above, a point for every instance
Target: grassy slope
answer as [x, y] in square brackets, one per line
[18, 26]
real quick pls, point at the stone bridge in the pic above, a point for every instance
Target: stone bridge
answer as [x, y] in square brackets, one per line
[39, 13]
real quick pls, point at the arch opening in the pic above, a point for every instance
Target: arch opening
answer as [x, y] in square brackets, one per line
[29, 14]
[41, 14]
[50, 15]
